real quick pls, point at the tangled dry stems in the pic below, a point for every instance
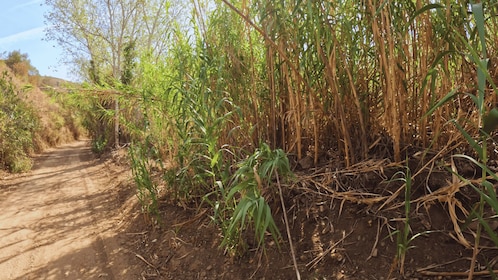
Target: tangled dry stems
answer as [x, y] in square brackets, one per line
[350, 185]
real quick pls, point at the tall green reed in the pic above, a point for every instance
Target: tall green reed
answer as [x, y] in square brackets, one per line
[404, 235]
[147, 191]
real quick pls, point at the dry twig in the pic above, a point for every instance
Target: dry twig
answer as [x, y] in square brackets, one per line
[198, 216]
[319, 258]
[374, 247]
[458, 273]
[298, 275]
[145, 261]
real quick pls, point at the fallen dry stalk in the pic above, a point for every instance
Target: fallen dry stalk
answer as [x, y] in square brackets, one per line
[457, 273]
[298, 275]
[374, 247]
[197, 217]
[145, 261]
[320, 257]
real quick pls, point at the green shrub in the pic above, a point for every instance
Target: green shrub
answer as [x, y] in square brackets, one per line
[18, 124]
[21, 164]
[147, 191]
[98, 145]
[245, 201]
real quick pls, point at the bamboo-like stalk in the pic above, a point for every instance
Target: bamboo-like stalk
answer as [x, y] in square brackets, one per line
[253, 87]
[273, 97]
[319, 76]
[363, 135]
[308, 77]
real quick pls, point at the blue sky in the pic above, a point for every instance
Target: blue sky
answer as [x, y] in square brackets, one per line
[22, 28]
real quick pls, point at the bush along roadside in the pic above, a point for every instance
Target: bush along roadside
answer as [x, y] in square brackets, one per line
[18, 125]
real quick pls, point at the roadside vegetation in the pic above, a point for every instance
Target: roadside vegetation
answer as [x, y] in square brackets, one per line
[230, 105]
[30, 119]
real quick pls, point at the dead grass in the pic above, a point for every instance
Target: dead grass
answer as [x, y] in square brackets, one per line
[55, 123]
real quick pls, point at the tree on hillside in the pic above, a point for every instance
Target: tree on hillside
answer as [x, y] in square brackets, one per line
[20, 64]
[97, 34]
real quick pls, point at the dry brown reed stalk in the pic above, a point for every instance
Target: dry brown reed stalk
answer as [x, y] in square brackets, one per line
[330, 88]
[383, 38]
[485, 273]
[331, 77]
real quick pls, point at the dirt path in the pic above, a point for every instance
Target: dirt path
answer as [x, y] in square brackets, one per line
[62, 220]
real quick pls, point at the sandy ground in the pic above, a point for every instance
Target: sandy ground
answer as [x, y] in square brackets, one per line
[63, 220]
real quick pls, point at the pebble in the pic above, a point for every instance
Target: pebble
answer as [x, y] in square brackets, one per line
[375, 252]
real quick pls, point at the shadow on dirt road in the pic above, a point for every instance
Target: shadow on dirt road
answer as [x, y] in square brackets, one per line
[64, 220]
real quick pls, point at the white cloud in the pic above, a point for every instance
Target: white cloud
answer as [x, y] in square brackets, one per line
[22, 36]
[26, 4]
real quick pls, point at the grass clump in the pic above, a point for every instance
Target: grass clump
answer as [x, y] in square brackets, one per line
[147, 191]
[246, 202]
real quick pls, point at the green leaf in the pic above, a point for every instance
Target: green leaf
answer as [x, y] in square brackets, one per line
[478, 12]
[246, 205]
[239, 216]
[214, 160]
[259, 220]
[470, 140]
[441, 102]
[238, 188]
[423, 9]
[490, 195]
[259, 213]
[481, 83]
[490, 121]
[487, 228]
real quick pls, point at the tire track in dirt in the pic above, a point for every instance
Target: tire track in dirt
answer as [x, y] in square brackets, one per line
[61, 220]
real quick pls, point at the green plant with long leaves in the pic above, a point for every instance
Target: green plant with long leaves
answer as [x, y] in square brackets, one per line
[147, 192]
[404, 238]
[144, 154]
[201, 113]
[246, 198]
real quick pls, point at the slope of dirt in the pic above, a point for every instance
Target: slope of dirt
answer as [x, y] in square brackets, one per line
[332, 238]
[66, 219]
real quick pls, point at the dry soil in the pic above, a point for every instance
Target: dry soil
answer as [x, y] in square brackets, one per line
[63, 220]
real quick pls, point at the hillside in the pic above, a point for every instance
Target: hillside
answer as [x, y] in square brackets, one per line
[48, 83]
[31, 119]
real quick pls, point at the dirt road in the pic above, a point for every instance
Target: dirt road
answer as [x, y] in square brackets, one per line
[63, 220]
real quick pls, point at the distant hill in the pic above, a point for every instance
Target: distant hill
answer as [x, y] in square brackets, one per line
[47, 82]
